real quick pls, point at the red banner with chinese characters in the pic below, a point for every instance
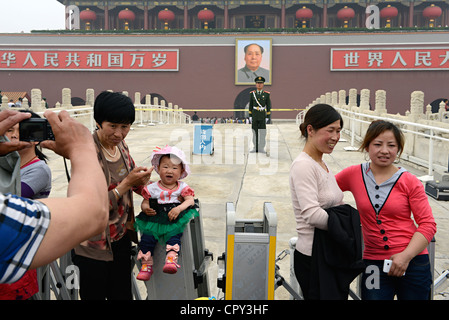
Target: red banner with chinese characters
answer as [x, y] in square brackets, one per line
[89, 60]
[389, 59]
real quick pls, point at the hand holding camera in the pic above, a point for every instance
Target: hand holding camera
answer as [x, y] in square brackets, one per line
[9, 118]
[69, 136]
[58, 132]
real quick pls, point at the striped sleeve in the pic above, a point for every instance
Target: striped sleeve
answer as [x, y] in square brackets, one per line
[23, 224]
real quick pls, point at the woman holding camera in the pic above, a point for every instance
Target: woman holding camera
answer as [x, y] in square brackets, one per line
[35, 175]
[35, 181]
[104, 261]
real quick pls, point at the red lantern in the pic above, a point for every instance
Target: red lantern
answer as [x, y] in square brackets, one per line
[345, 14]
[126, 15]
[388, 13]
[166, 16]
[303, 15]
[206, 16]
[88, 16]
[432, 12]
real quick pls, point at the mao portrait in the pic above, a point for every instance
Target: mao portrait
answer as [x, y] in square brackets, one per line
[252, 59]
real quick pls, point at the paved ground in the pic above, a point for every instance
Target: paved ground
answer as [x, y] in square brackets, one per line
[248, 180]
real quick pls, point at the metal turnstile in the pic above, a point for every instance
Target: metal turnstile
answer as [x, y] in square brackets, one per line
[190, 282]
[358, 290]
[249, 260]
[58, 280]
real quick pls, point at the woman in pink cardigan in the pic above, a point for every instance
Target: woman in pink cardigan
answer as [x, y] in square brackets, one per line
[387, 197]
[312, 185]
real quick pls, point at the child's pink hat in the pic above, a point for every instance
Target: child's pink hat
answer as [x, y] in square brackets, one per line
[158, 153]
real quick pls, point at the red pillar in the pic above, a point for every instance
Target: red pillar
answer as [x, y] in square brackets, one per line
[226, 16]
[145, 17]
[186, 16]
[446, 17]
[106, 17]
[410, 15]
[283, 15]
[324, 15]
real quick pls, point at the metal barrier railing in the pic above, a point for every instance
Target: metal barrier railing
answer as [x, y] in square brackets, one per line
[145, 115]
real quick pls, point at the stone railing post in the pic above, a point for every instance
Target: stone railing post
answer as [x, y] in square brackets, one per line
[182, 116]
[170, 114]
[139, 113]
[334, 99]
[416, 105]
[364, 99]
[25, 104]
[36, 100]
[176, 114]
[381, 102]
[328, 98]
[163, 112]
[441, 110]
[66, 98]
[322, 98]
[4, 103]
[148, 105]
[157, 113]
[341, 98]
[352, 98]
[90, 97]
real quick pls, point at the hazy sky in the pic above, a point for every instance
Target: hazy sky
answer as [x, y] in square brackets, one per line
[27, 15]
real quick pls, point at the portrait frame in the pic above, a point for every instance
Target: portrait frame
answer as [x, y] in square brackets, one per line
[244, 76]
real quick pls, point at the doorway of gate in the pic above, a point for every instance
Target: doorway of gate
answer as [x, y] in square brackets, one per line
[241, 104]
[435, 105]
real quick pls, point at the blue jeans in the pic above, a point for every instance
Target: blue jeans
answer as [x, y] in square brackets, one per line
[147, 242]
[414, 285]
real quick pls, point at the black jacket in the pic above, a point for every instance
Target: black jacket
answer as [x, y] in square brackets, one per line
[336, 254]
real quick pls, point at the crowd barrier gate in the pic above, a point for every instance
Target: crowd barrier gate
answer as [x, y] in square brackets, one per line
[249, 260]
[190, 282]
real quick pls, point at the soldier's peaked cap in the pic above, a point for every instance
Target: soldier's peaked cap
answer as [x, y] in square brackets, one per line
[259, 79]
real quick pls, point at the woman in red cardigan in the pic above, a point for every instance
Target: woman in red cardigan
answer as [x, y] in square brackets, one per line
[397, 220]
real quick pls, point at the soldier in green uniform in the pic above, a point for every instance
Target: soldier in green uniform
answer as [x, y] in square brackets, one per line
[259, 112]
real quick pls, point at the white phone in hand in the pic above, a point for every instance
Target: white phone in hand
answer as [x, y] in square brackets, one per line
[387, 265]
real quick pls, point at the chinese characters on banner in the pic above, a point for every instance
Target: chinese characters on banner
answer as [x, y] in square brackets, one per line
[89, 60]
[394, 59]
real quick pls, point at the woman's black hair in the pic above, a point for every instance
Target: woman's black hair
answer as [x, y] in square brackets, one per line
[379, 126]
[319, 116]
[37, 148]
[114, 107]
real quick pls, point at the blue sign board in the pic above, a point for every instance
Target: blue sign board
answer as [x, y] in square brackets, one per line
[203, 139]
